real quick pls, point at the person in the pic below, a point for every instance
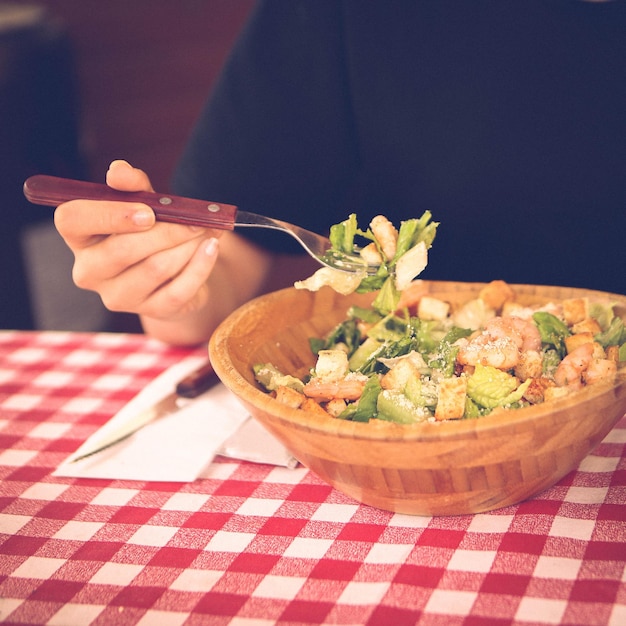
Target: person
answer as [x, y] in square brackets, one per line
[504, 119]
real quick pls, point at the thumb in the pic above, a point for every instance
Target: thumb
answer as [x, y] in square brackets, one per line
[123, 176]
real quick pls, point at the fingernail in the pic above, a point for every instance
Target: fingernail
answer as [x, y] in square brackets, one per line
[210, 247]
[143, 217]
[119, 163]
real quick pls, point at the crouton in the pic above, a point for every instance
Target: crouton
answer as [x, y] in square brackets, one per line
[335, 407]
[588, 325]
[311, 406]
[574, 341]
[555, 393]
[451, 398]
[598, 351]
[612, 352]
[331, 365]
[398, 376]
[370, 254]
[289, 396]
[535, 392]
[430, 308]
[496, 293]
[600, 370]
[575, 310]
[530, 365]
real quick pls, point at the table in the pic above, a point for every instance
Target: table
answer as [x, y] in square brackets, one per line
[259, 545]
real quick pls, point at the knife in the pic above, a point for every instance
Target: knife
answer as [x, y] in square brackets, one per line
[191, 386]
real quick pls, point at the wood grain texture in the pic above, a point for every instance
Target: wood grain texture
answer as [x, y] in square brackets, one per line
[446, 468]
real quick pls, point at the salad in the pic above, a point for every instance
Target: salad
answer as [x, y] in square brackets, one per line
[413, 357]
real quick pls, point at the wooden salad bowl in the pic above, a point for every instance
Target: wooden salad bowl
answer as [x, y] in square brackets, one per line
[446, 468]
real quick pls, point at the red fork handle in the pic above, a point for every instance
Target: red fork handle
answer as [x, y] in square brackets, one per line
[52, 191]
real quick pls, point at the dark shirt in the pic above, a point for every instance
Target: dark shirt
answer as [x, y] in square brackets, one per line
[505, 119]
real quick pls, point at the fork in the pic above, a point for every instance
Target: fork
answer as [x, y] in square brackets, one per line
[52, 191]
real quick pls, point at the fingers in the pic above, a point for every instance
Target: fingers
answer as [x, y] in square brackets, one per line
[166, 284]
[133, 262]
[82, 223]
[123, 176]
[159, 251]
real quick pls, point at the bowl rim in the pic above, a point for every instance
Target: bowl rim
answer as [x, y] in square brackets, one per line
[391, 431]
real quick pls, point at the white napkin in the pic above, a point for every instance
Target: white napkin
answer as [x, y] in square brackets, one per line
[252, 442]
[178, 447]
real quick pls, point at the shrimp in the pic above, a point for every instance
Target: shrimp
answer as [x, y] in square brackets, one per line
[499, 352]
[501, 343]
[524, 332]
[571, 369]
[348, 388]
[386, 234]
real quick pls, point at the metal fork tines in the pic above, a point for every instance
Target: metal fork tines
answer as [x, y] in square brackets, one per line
[316, 245]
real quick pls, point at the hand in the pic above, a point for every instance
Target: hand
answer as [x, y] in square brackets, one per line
[135, 264]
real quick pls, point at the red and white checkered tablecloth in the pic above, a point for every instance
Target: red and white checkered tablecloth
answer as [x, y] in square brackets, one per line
[259, 545]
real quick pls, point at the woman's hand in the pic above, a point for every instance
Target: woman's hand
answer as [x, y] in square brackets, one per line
[179, 279]
[135, 264]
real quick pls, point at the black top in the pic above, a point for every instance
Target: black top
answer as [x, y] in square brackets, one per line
[505, 118]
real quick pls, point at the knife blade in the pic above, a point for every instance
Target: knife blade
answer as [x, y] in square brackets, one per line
[191, 386]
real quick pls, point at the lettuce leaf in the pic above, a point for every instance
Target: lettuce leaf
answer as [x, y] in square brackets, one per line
[271, 378]
[602, 312]
[361, 313]
[346, 334]
[490, 387]
[413, 231]
[342, 235]
[387, 298]
[366, 406]
[394, 406]
[342, 282]
[552, 330]
[444, 357]
[614, 335]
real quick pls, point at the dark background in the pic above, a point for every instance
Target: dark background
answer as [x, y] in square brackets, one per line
[83, 83]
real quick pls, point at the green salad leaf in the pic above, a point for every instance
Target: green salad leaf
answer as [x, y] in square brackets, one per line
[388, 296]
[271, 378]
[394, 406]
[412, 231]
[342, 235]
[489, 387]
[346, 334]
[445, 354]
[386, 281]
[552, 330]
[366, 407]
[603, 313]
[614, 335]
